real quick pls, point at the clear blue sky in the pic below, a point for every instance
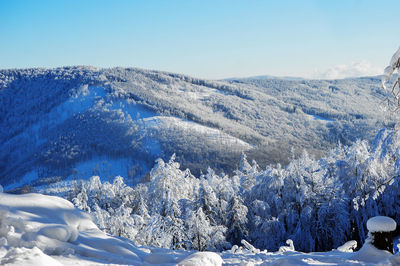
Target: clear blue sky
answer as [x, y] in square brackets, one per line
[210, 39]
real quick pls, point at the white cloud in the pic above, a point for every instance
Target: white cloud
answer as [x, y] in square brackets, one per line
[354, 69]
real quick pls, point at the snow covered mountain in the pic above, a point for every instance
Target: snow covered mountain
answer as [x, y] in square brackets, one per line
[81, 121]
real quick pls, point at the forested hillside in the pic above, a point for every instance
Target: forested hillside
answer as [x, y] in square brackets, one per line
[79, 121]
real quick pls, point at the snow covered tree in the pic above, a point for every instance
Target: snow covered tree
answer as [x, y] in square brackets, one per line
[223, 187]
[333, 227]
[244, 165]
[121, 223]
[390, 70]
[236, 220]
[247, 174]
[208, 201]
[311, 187]
[266, 209]
[81, 200]
[199, 229]
[203, 235]
[173, 225]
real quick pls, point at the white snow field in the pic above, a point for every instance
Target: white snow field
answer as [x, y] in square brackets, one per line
[45, 230]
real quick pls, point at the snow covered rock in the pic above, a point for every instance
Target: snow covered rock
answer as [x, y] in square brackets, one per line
[287, 248]
[349, 246]
[202, 259]
[381, 224]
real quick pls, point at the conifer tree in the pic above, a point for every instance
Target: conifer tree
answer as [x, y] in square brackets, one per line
[236, 220]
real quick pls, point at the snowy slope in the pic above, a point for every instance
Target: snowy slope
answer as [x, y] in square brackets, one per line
[89, 127]
[45, 230]
[78, 121]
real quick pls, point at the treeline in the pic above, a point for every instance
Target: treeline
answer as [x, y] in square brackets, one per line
[319, 204]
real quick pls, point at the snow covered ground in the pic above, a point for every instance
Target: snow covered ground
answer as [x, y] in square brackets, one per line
[45, 230]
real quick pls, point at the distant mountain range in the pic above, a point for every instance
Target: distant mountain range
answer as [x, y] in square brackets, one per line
[75, 122]
[266, 77]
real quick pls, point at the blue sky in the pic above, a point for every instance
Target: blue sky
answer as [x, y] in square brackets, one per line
[208, 39]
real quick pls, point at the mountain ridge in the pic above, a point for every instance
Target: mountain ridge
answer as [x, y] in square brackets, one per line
[54, 119]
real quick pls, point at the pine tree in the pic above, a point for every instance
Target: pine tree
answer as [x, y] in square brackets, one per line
[236, 220]
[208, 201]
[81, 200]
[174, 225]
[199, 229]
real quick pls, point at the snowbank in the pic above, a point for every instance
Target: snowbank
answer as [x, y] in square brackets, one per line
[34, 227]
[381, 224]
[369, 253]
[25, 256]
[202, 258]
[45, 230]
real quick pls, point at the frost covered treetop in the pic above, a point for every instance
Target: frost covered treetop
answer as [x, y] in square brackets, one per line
[390, 69]
[381, 224]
